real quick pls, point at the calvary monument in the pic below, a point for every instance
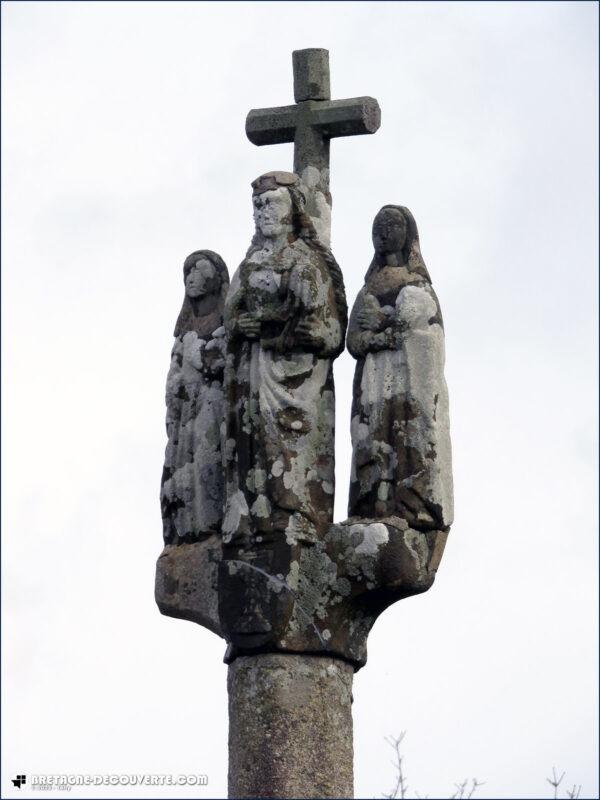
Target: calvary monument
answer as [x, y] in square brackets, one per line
[251, 548]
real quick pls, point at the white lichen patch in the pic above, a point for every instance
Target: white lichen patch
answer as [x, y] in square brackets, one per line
[237, 508]
[417, 545]
[374, 535]
[277, 468]
[261, 506]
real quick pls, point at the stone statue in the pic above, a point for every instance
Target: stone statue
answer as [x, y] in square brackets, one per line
[192, 480]
[280, 576]
[285, 317]
[401, 464]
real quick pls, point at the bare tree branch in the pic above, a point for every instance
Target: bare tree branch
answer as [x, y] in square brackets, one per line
[554, 781]
[460, 790]
[464, 791]
[401, 785]
[475, 785]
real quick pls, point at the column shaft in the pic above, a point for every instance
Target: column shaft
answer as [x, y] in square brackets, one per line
[290, 727]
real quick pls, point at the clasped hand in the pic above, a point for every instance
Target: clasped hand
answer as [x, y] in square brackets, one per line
[249, 325]
[370, 319]
[304, 332]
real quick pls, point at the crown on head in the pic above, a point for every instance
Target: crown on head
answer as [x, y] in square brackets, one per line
[273, 180]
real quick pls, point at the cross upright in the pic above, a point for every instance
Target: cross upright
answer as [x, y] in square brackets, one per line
[315, 119]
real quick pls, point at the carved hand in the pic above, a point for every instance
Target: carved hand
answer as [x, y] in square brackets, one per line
[249, 326]
[371, 319]
[306, 335]
[387, 339]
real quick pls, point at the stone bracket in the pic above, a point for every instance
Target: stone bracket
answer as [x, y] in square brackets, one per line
[327, 602]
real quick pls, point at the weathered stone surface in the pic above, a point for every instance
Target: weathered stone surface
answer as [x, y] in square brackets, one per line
[334, 118]
[318, 201]
[186, 582]
[311, 74]
[252, 552]
[323, 600]
[401, 461]
[311, 124]
[328, 598]
[342, 587]
[315, 119]
[290, 727]
[282, 577]
[285, 317]
[192, 480]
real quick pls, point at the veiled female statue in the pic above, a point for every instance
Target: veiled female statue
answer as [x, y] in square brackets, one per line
[192, 482]
[401, 464]
[285, 317]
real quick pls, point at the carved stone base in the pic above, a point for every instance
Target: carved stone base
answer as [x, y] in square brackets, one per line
[328, 598]
[186, 582]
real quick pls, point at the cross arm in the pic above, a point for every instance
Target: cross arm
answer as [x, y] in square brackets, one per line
[352, 117]
[272, 125]
[332, 118]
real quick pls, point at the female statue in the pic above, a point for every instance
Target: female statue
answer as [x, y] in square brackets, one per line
[401, 464]
[285, 317]
[192, 482]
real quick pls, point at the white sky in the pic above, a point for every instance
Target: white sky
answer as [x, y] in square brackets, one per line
[123, 151]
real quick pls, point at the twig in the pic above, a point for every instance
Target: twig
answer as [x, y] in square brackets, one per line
[401, 785]
[460, 790]
[476, 784]
[554, 781]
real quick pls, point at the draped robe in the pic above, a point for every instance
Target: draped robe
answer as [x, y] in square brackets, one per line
[401, 462]
[279, 425]
[192, 481]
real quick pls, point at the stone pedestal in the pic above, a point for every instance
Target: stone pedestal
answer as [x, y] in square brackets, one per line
[290, 689]
[290, 726]
[324, 604]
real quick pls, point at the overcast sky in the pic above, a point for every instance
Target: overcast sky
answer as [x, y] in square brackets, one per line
[123, 149]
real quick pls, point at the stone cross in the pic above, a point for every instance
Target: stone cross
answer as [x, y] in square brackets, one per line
[316, 118]
[251, 549]
[310, 124]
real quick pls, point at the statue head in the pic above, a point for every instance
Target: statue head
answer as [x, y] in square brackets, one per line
[395, 233]
[389, 231]
[201, 278]
[206, 281]
[273, 204]
[204, 273]
[279, 207]
[272, 212]
[276, 214]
